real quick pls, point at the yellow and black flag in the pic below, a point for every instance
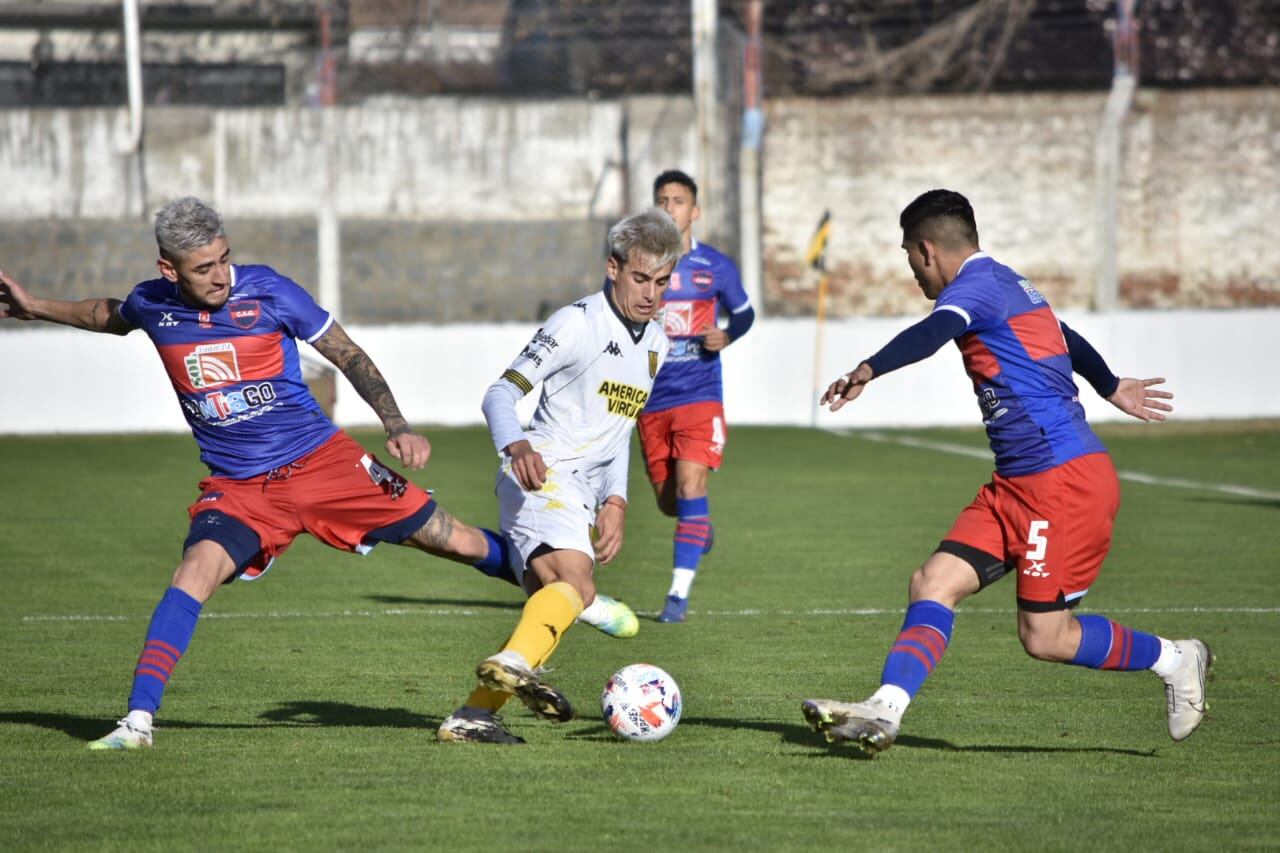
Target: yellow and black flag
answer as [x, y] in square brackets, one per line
[816, 255]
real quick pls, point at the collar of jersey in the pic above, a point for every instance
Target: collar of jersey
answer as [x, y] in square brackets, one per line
[636, 330]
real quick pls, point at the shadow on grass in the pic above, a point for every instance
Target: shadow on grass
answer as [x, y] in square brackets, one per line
[288, 715]
[447, 602]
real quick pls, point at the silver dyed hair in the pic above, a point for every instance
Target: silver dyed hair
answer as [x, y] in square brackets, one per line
[651, 232]
[186, 224]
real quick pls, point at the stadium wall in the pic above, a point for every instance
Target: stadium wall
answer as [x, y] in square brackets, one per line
[1218, 364]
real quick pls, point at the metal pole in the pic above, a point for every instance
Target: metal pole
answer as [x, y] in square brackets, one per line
[751, 251]
[1106, 286]
[704, 106]
[133, 75]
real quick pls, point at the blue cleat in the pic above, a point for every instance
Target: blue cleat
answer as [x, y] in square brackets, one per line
[674, 610]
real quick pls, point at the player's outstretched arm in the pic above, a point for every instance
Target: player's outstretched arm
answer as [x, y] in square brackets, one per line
[847, 388]
[411, 449]
[1137, 398]
[95, 315]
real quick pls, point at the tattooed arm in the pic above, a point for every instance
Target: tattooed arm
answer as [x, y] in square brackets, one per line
[95, 315]
[402, 443]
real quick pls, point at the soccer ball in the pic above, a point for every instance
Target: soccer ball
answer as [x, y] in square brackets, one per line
[641, 702]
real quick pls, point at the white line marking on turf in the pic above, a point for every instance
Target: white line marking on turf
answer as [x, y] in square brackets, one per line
[746, 613]
[1134, 476]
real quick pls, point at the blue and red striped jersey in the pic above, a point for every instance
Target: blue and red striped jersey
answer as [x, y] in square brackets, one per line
[1017, 358]
[704, 281]
[236, 370]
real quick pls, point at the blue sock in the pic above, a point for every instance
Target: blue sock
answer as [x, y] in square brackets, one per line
[925, 633]
[496, 564]
[693, 526]
[1107, 645]
[172, 624]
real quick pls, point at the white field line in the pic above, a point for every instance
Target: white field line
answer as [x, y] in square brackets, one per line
[746, 613]
[1133, 476]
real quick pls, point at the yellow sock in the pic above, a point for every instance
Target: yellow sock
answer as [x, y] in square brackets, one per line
[547, 615]
[486, 699]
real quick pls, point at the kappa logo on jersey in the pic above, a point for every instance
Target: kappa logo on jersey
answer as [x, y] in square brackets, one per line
[612, 348]
[212, 365]
[246, 314]
[653, 363]
[626, 400]
[702, 280]
[166, 320]
[581, 305]
[1030, 289]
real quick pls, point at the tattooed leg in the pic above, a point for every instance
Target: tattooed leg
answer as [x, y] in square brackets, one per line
[445, 536]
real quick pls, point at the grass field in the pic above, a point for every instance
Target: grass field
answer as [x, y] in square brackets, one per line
[304, 714]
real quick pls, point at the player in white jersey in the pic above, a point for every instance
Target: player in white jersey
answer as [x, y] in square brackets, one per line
[567, 474]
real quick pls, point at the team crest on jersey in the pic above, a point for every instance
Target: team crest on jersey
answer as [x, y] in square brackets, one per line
[702, 280]
[246, 314]
[211, 365]
[653, 364]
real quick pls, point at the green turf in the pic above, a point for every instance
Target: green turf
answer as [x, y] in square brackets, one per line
[304, 714]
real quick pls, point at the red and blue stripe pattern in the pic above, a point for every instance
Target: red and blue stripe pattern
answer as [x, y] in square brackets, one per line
[926, 631]
[1109, 645]
[172, 624]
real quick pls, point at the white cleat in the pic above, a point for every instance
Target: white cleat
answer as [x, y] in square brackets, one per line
[126, 736]
[1184, 689]
[475, 725]
[870, 724]
[612, 617]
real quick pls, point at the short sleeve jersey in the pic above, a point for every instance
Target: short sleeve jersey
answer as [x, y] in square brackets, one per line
[596, 378]
[236, 370]
[1017, 358]
[703, 282]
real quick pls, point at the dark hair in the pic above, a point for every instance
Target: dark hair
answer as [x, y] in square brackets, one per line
[675, 176]
[943, 216]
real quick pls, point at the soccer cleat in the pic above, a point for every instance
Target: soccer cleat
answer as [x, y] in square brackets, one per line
[869, 724]
[675, 610]
[474, 725]
[618, 620]
[711, 539]
[508, 672]
[125, 736]
[1184, 689]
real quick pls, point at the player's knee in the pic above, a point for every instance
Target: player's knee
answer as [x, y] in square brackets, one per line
[204, 567]
[933, 586]
[1046, 645]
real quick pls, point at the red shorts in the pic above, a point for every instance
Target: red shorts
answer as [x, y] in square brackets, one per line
[338, 493]
[1053, 528]
[695, 433]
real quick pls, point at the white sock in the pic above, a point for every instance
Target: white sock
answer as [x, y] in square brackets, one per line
[895, 699]
[139, 720]
[681, 582]
[1169, 661]
[597, 613]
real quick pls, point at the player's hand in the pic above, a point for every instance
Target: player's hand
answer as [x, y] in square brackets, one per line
[847, 388]
[1136, 397]
[527, 465]
[412, 450]
[15, 302]
[610, 520]
[714, 338]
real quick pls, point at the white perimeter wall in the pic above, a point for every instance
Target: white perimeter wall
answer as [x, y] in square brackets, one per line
[1220, 364]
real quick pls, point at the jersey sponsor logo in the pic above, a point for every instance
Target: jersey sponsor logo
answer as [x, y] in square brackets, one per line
[166, 320]
[682, 318]
[702, 280]
[528, 353]
[246, 314]
[1030, 289]
[221, 405]
[543, 341]
[698, 259]
[612, 348]
[653, 363]
[626, 400]
[674, 283]
[205, 321]
[211, 365]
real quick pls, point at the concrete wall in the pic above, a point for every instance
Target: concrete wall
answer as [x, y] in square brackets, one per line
[1219, 364]
[474, 209]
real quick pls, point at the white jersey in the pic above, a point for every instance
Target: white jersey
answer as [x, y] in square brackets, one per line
[596, 377]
